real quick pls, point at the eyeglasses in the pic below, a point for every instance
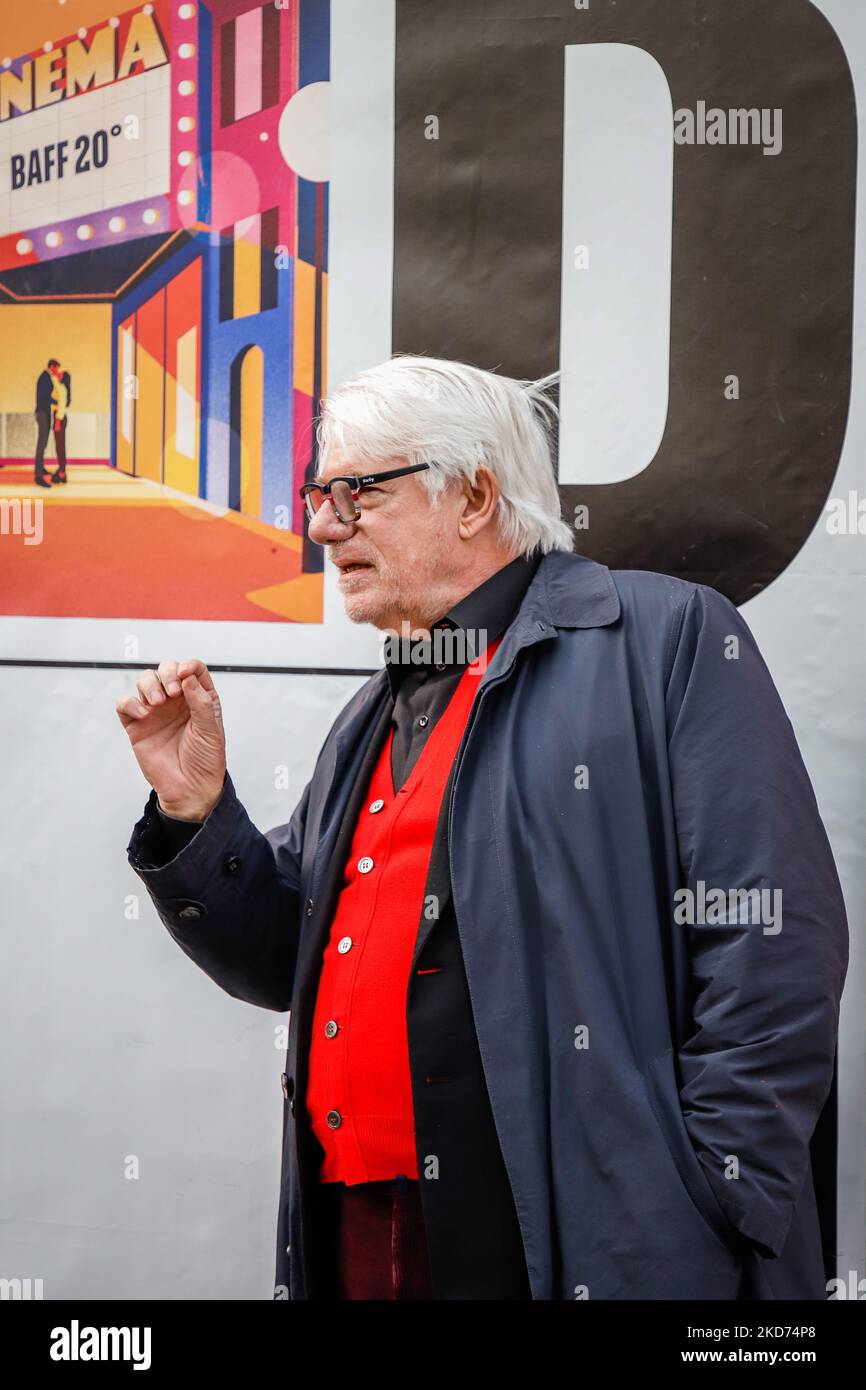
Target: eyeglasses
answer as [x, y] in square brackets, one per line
[344, 492]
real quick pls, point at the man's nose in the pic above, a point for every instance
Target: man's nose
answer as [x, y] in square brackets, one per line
[326, 527]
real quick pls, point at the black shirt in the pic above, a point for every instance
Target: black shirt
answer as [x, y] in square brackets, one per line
[421, 690]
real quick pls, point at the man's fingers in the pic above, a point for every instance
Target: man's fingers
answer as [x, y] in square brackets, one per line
[155, 687]
[200, 701]
[149, 688]
[129, 709]
[167, 672]
[194, 667]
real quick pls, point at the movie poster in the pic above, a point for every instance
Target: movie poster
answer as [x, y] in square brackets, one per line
[163, 326]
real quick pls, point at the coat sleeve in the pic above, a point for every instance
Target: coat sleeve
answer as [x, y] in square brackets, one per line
[766, 980]
[230, 897]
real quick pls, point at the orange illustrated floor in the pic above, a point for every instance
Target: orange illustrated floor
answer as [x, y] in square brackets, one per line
[119, 547]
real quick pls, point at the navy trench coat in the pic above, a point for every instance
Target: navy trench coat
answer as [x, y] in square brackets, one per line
[652, 928]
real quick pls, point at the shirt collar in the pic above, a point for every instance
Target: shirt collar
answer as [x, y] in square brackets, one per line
[474, 621]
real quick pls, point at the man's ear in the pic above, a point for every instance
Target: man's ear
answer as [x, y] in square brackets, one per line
[481, 500]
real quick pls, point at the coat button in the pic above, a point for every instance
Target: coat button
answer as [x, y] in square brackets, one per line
[190, 910]
[309, 907]
[344, 944]
[288, 1249]
[287, 1084]
[334, 1119]
[365, 864]
[376, 805]
[232, 864]
[423, 722]
[331, 1028]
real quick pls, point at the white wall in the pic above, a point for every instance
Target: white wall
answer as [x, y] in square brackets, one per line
[113, 1042]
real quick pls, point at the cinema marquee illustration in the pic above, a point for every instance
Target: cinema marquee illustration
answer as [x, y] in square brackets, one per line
[163, 239]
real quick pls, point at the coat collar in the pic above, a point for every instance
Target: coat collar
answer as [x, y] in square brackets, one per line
[567, 591]
[570, 590]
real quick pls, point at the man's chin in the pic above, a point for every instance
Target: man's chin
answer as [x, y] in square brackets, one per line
[363, 608]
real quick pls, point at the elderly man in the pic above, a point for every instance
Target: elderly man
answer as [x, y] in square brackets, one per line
[556, 916]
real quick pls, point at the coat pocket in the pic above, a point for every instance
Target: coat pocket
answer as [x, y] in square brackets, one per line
[660, 1082]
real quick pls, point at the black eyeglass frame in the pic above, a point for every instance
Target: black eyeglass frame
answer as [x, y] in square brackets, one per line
[357, 482]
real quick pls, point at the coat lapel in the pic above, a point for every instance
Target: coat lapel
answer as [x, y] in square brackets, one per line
[356, 750]
[438, 875]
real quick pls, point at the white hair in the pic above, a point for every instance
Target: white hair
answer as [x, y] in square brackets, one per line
[456, 417]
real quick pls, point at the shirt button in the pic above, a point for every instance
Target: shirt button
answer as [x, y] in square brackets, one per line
[331, 1029]
[440, 665]
[309, 907]
[376, 806]
[334, 1119]
[423, 722]
[344, 945]
[365, 864]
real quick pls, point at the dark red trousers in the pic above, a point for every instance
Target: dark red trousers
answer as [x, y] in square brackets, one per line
[381, 1245]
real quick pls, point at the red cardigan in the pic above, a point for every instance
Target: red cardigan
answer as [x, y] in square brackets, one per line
[359, 1092]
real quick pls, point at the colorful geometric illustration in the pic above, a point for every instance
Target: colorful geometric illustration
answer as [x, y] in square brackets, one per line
[163, 238]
